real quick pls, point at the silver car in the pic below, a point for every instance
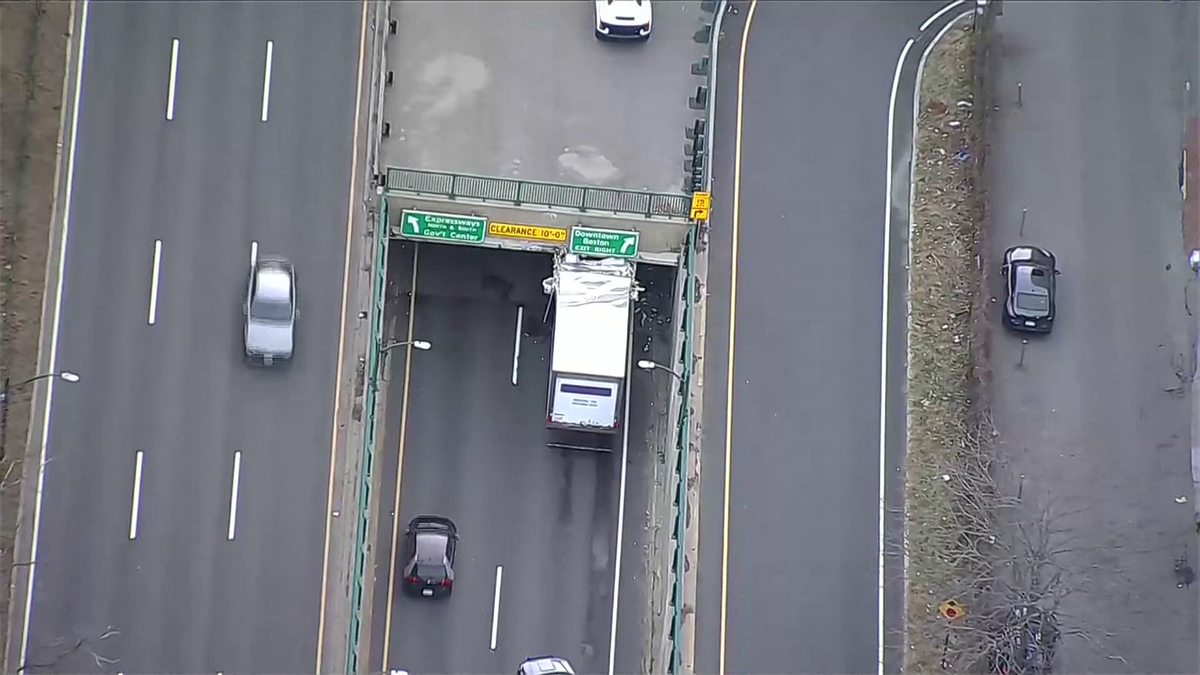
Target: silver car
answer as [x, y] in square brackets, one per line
[545, 665]
[270, 309]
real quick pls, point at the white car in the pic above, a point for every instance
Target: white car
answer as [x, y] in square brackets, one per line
[623, 19]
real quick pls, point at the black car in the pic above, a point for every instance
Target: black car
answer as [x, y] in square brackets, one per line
[430, 543]
[1029, 282]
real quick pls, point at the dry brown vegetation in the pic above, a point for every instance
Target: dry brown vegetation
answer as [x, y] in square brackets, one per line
[944, 427]
[33, 43]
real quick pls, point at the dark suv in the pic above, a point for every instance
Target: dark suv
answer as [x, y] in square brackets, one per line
[430, 543]
[1030, 289]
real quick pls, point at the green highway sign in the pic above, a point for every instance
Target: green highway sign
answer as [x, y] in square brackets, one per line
[443, 226]
[605, 243]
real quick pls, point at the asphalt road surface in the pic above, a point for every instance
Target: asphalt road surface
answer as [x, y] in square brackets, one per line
[801, 573]
[474, 449]
[523, 89]
[1093, 154]
[185, 586]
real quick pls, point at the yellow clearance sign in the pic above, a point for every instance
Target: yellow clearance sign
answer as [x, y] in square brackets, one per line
[701, 203]
[556, 235]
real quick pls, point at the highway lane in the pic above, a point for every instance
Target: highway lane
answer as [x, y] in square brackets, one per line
[793, 422]
[185, 590]
[474, 450]
[524, 90]
[1093, 154]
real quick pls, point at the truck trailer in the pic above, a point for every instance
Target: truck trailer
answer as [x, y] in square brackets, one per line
[592, 300]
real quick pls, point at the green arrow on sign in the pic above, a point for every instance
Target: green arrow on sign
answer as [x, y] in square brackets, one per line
[604, 243]
[443, 226]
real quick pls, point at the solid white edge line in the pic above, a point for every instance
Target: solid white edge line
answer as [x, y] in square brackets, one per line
[612, 630]
[137, 495]
[171, 82]
[52, 366]
[154, 282]
[233, 500]
[267, 80]
[883, 348]
[253, 252]
[947, 8]
[496, 606]
[517, 343]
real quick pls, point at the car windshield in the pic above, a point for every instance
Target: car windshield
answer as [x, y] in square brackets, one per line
[270, 309]
[1035, 304]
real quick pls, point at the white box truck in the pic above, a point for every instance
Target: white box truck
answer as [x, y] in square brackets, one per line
[589, 358]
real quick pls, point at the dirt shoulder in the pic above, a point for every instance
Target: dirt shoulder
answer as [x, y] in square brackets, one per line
[33, 49]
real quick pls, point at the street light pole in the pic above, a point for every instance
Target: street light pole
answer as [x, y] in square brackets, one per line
[416, 344]
[646, 364]
[385, 350]
[64, 375]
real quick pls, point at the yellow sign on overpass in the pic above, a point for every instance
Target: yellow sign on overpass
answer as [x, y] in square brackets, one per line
[701, 203]
[556, 235]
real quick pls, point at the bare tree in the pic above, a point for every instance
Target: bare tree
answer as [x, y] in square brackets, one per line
[65, 648]
[1003, 564]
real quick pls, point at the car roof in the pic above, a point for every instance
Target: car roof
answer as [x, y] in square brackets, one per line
[1028, 282]
[431, 547]
[274, 279]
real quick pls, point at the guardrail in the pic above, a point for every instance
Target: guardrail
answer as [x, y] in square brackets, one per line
[379, 27]
[371, 390]
[687, 358]
[682, 447]
[537, 193]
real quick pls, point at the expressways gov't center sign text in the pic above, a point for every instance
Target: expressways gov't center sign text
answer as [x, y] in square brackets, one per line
[443, 226]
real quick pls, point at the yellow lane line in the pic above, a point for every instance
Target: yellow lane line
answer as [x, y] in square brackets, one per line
[337, 382]
[733, 272]
[408, 350]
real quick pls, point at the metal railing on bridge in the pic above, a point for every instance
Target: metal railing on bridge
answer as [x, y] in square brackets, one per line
[358, 583]
[537, 193]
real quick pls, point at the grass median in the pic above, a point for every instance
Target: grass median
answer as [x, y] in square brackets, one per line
[948, 486]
